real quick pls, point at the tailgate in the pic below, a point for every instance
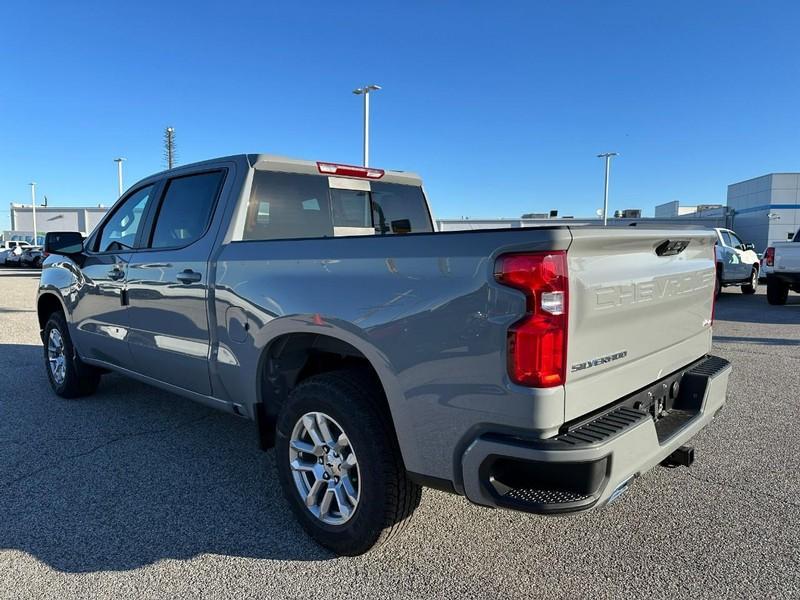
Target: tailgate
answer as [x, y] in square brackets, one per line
[638, 310]
[787, 257]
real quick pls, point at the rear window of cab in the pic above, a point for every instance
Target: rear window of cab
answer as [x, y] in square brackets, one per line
[292, 205]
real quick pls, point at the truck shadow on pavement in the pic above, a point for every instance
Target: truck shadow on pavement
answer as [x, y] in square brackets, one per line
[734, 306]
[131, 476]
[758, 341]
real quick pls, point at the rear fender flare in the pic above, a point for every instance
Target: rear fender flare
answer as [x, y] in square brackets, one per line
[355, 337]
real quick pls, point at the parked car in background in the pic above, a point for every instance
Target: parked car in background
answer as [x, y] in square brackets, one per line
[541, 369]
[32, 257]
[737, 262]
[14, 256]
[783, 260]
[3, 254]
[11, 244]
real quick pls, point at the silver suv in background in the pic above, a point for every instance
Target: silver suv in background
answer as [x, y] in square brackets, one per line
[737, 262]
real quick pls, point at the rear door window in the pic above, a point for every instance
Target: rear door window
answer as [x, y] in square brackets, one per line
[726, 238]
[186, 210]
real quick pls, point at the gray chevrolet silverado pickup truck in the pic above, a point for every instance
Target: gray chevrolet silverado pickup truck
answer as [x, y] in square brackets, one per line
[537, 369]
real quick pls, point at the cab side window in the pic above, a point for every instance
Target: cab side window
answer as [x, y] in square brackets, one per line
[726, 239]
[119, 232]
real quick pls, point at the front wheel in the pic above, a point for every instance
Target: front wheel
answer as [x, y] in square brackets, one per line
[69, 376]
[339, 463]
[752, 285]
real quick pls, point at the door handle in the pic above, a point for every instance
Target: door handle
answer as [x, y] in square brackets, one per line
[188, 276]
[116, 274]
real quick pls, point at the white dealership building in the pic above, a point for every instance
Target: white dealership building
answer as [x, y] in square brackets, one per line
[766, 209]
[52, 218]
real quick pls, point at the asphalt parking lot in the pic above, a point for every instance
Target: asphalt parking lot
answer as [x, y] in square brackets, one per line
[134, 492]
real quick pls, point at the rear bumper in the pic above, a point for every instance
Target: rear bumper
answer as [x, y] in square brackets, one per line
[593, 461]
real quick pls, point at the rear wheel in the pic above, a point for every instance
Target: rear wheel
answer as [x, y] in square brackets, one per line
[777, 291]
[718, 283]
[339, 463]
[752, 286]
[69, 376]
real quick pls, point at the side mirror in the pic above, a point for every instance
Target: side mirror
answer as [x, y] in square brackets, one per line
[66, 243]
[748, 246]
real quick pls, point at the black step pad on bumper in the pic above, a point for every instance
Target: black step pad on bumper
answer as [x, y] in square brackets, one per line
[672, 402]
[571, 471]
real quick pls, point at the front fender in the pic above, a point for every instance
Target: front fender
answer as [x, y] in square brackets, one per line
[60, 278]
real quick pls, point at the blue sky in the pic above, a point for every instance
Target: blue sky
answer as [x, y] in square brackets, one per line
[501, 106]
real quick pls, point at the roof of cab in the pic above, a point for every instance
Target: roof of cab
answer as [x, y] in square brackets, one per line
[274, 162]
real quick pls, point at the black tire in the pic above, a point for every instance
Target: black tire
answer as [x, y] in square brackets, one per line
[777, 291]
[750, 288]
[718, 283]
[387, 496]
[80, 379]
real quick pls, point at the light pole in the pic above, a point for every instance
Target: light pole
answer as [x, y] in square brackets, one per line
[33, 208]
[119, 173]
[607, 156]
[365, 91]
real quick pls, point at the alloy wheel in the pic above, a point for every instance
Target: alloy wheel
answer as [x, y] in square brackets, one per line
[324, 468]
[55, 356]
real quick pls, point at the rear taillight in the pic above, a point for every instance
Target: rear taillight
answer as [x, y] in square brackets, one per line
[349, 170]
[537, 344]
[769, 256]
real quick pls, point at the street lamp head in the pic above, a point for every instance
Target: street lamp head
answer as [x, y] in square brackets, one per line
[607, 154]
[120, 159]
[366, 89]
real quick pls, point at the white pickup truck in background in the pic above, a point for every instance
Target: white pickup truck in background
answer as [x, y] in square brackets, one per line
[737, 262]
[783, 261]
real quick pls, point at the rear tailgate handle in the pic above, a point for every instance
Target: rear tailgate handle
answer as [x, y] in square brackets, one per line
[671, 247]
[188, 276]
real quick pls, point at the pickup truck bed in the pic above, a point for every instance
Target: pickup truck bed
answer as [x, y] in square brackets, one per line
[539, 369]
